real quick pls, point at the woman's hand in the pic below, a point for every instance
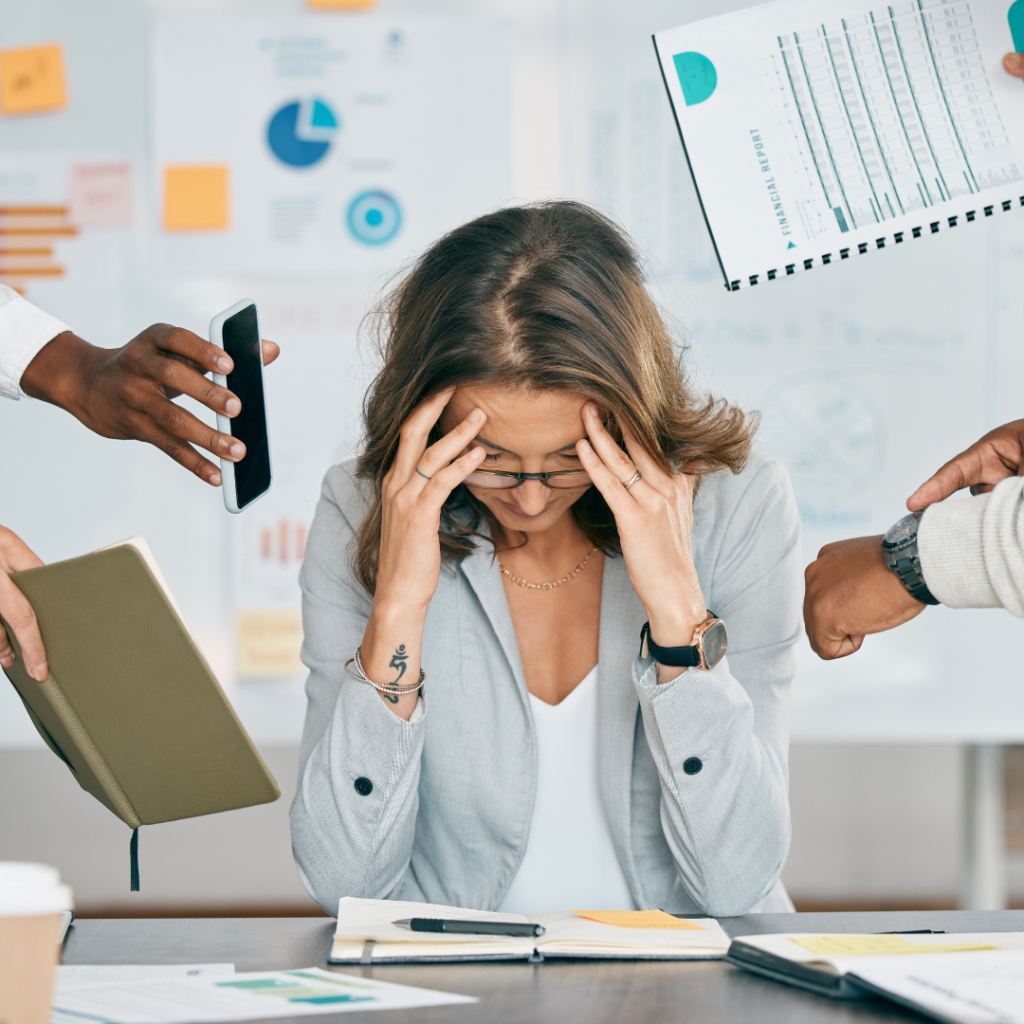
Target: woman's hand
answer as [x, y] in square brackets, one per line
[417, 485]
[654, 517]
[414, 489]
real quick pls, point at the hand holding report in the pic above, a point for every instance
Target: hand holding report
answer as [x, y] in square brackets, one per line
[819, 130]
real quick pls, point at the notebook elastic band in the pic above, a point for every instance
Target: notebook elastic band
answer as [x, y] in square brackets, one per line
[133, 852]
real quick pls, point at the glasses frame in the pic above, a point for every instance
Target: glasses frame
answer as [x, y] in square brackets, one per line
[542, 477]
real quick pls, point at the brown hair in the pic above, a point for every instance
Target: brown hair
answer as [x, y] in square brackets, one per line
[548, 297]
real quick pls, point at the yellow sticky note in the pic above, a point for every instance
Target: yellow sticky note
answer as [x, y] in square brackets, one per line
[196, 197]
[341, 5]
[638, 919]
[32, 80]
[269, 643]
[873, 945]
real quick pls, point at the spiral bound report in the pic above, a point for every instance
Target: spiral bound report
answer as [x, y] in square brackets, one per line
[817, 131]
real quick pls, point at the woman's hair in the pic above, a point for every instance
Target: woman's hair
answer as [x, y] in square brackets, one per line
[545, 297]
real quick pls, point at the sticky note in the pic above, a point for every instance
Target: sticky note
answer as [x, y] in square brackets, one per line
[873, 945]
[341, 5]
[196, 197]
[638, 919]
[269, 642]
[101, 193]
[32, 80]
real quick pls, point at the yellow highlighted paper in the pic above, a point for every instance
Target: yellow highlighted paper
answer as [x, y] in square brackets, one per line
[638, 919]
[196, 197]
[32, 80]
[868, 945]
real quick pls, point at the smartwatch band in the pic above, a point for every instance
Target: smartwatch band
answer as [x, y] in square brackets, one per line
[677, 657]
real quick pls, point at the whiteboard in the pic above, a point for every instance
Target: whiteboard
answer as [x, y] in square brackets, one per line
[869, 375]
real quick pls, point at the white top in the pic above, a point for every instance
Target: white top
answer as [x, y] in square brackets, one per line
[972, 551]
[24, 330]
[570, 862]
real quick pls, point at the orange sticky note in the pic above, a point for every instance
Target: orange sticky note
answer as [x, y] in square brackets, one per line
[638, 919]
[32, 80]
[196, 197]
[341, 5]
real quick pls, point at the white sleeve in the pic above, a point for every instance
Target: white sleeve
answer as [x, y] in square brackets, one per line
[24, 330]
[972, 551]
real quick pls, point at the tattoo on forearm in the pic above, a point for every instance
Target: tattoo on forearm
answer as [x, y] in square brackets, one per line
[398, 660]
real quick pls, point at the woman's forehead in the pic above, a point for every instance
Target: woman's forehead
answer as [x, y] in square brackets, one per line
[522, 420]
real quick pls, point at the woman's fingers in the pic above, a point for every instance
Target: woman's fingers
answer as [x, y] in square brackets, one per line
[613, 457]
[650, 470]
[413, 437]
[610, 486]
[445, 480]
[440, 453]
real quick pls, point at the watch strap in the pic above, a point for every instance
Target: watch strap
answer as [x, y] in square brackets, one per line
[907, 566]
[677, 657]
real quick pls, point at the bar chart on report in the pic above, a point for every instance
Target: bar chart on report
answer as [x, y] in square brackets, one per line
[893, 112]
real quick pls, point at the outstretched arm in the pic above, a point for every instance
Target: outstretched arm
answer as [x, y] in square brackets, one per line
[128, 392]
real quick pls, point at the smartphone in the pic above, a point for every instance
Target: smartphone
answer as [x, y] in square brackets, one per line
[237, 331]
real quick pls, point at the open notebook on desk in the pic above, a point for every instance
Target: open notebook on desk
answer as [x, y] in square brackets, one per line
[366, 934]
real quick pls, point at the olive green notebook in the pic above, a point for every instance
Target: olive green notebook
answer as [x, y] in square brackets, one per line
[130, 705]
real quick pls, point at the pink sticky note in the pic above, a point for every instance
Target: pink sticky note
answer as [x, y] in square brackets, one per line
[101, 193]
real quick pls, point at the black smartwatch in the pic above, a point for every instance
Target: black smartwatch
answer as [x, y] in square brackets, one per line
[899, 548]
[711, 641]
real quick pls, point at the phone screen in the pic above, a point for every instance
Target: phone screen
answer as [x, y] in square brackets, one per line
[241, 338]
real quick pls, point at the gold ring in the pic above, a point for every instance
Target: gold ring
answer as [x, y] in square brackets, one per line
[632, 480]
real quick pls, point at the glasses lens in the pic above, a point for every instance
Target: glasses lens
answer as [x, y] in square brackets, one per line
[493, 483]
[570, 480]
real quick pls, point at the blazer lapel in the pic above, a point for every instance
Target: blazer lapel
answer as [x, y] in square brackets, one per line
[622, 616]
[481, 570]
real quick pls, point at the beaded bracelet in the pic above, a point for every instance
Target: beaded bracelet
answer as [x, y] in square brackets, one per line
[391, 689]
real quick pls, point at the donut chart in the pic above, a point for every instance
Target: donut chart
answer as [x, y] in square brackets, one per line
[374, 217]
[301, 132]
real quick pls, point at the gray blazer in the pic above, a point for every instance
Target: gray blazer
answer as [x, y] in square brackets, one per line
[439, 810]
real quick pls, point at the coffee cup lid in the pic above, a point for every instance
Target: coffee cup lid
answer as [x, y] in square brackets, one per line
[30, 889]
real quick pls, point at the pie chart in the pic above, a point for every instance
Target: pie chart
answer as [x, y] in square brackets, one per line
[301, 132]
[374, 217]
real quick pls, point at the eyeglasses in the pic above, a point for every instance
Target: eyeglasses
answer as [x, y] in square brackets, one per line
[496, 479]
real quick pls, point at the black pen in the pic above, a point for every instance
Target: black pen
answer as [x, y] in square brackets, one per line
[436, 924]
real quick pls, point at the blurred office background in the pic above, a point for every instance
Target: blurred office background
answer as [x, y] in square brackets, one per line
[161, 190]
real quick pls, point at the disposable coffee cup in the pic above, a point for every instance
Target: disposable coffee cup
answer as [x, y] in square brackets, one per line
[32, 900]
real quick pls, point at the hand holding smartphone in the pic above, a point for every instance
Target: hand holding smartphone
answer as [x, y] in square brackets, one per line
[237, 331]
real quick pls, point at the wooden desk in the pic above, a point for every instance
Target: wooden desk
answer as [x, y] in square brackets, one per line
[554, 992]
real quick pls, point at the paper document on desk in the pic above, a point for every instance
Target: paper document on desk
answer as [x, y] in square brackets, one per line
[256, 996]
[965, 988]
[826, 963]
[71, 976]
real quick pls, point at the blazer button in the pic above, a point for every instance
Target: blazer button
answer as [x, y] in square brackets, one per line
[691, 766]
[364, 787]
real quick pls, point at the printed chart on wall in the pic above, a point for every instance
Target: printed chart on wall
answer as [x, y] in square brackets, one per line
[817, 132]
[324, 146]
[63, 234]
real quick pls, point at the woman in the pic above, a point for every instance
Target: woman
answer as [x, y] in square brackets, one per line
[495, 536]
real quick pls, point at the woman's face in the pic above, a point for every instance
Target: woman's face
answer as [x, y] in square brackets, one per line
[525, 432]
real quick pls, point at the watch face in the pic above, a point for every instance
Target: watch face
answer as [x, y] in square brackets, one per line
[902, 532]
[716, 643]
